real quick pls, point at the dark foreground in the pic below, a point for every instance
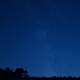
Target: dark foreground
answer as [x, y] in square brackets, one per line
[21, 74]
[54, 78]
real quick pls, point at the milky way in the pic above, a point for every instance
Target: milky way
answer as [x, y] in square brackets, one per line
[41, 35]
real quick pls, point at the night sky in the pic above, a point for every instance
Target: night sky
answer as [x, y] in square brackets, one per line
[42, 36]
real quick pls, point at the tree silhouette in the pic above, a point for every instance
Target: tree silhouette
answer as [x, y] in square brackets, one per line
[1, 73]
[20, 72]
[8, 72]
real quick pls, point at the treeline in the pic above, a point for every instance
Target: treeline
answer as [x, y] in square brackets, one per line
[18, 73]
[22, 74]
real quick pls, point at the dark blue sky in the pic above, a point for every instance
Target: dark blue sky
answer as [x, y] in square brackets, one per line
[41, 35]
